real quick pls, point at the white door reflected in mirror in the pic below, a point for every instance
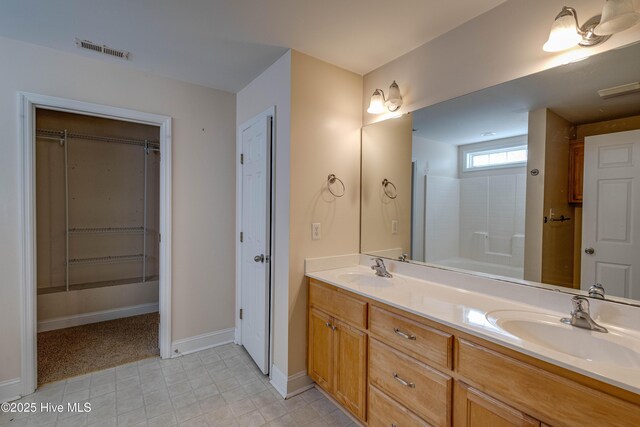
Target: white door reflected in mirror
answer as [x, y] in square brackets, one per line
[611, 215]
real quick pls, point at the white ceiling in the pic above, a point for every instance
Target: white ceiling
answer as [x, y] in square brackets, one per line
[224, 44]
[570, 91]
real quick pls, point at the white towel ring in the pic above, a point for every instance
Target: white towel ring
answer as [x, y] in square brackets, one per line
[385, 187]
[331, 179]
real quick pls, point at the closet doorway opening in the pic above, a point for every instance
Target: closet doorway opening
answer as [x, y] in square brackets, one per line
[96, 213]
[97, 243]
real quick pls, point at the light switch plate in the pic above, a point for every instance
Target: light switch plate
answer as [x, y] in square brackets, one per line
[394, 226]
[315, 231]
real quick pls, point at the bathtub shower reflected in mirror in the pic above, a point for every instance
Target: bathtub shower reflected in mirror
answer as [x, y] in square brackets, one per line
[533, 180]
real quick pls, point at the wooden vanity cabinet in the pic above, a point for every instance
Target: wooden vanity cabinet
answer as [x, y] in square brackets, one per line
[389, 367]
[337, 359]
[543, 394]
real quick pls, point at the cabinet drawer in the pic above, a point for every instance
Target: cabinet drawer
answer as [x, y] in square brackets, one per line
[546, 396]
[343, 307]
[474, 408]
[386, 412]
[420, 341]
[417, 386]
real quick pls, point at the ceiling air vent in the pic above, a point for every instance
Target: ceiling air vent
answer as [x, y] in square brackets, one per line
[86, 44]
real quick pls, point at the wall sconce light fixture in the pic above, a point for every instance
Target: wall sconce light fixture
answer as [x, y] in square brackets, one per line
[566, 32]
[378, 102]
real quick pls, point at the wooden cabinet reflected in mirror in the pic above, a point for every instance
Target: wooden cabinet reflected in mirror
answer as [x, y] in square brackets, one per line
[576, 170]
[533, 180]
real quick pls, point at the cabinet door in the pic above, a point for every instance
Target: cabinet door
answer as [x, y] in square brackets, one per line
[351, 368]
[576, 171]
[321, 349]
[473, 408]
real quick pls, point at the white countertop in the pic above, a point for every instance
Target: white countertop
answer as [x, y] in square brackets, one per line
[466, 310]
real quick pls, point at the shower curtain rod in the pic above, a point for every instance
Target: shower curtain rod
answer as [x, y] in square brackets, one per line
[58, 135]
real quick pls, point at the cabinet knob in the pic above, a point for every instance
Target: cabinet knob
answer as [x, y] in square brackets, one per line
[329, 325]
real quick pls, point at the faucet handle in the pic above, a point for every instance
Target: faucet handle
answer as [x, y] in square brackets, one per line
[596, 291]
[580, 304]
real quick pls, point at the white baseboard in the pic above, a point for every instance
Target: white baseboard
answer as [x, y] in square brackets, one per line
[292, 385]
[202, 342]
[10, 390]
[279, 381]
[96, 316]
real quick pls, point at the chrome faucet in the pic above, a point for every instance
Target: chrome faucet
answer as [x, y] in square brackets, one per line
[380, 268]
[596, 291]
[580, 316]
[403, 258]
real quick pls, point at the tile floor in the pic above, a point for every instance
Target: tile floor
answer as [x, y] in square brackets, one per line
[215, 387]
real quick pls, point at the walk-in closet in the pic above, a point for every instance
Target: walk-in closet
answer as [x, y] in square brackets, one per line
[97, 222]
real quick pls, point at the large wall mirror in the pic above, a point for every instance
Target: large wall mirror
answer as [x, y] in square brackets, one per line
[533, 180]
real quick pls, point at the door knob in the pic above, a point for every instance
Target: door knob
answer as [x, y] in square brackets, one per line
[259, 258]
[589, 251]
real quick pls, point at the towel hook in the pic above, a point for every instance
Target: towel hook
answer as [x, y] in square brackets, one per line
[385, 185]
[331, 179]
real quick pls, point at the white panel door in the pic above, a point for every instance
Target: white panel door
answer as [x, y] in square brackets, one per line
[255, 227]
[611, 213]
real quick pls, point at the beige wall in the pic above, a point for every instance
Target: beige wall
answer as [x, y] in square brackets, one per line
[536, 142]
[609, 126]
[318, 122]
[501, 45]
[386, 154]
[557, 237]
[273, 88]
[548, 251]
[325, 139]
[203, 155]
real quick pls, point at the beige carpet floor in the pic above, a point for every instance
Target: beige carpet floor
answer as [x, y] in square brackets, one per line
[66, 353]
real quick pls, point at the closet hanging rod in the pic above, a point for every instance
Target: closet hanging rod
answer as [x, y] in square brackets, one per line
[128, 141]
[106, 259]
[105, 230]
[52, 138]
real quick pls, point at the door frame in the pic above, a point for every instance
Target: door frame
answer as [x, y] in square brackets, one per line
[269, 112]
[28, 102]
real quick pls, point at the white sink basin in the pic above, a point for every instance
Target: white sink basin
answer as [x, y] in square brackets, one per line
[368, 280]
[613, 348]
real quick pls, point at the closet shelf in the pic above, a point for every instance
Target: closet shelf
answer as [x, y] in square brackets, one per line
[106, 259]
[106, 230]
[61, 135]
[93, 285]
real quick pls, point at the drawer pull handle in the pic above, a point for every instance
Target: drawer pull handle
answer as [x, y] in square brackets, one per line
[403, 382]
[393, 425]
[404, 334]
